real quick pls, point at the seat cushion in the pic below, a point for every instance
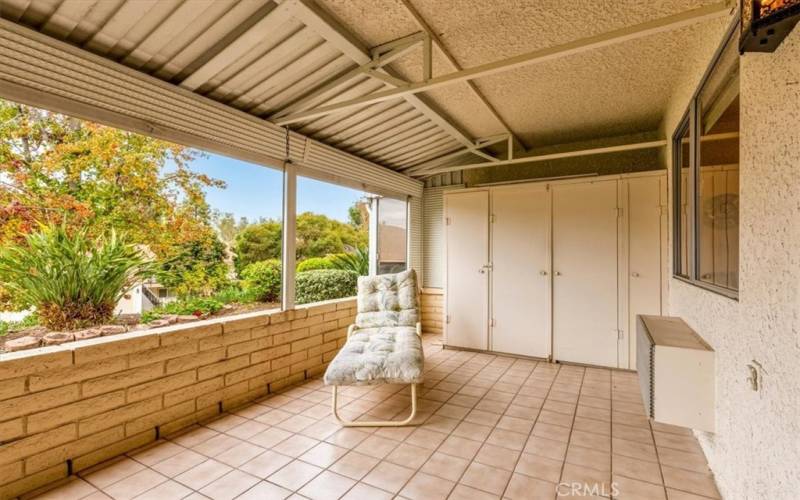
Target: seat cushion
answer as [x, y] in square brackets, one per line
[391, 355]
[387, 300]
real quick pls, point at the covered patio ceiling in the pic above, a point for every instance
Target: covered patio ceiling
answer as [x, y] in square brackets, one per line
[416, 86]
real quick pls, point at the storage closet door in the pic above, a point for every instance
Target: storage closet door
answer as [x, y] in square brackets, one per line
[521, 270]
[644, 252]
[585, 292]
[467, 257]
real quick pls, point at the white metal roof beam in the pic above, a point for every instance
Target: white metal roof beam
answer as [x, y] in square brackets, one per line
[551, 156]
[614, 37]
[316, 18]
[378, 60]
[435, 162]
[423, 24]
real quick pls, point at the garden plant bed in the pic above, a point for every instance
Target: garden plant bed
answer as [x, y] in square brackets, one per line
[39, 336]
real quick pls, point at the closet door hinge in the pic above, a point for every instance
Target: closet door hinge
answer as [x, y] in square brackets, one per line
[493, 322]
[620, 335]
[493, 218]
[619, 212]
[447, 319]
[447, 221]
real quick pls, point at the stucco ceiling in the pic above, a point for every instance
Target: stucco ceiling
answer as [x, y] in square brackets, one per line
[263, 56]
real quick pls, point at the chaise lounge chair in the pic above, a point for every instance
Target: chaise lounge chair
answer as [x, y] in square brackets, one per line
[384, 346]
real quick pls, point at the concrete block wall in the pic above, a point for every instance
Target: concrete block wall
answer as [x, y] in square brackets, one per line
[432, 310]
[66, 408]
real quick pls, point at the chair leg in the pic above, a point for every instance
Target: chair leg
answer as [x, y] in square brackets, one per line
[380, 423]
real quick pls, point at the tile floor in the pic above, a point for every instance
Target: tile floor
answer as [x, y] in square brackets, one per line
[490, 427]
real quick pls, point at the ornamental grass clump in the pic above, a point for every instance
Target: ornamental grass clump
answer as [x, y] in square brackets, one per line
[72, 279]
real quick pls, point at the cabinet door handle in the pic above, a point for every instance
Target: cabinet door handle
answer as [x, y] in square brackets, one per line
[635, 274]
[558, 273]
[543, 273]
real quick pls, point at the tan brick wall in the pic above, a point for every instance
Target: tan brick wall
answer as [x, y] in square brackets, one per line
[85, 402]
[432, 309]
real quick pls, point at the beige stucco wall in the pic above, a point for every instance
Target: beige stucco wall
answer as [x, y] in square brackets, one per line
[755, 450]
[85, 402]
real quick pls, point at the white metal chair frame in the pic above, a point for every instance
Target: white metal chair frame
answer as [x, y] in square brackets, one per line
[378, 423]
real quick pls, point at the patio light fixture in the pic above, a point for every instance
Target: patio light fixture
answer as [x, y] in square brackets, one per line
[765, 23]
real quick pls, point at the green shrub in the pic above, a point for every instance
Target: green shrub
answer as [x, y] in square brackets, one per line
[73, 280]
[197, 306]
[314, 263]
[263, 280]
[235, 295]
[357, 261]
[325, 284]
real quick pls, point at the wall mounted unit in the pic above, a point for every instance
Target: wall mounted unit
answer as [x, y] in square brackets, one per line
[676, 373]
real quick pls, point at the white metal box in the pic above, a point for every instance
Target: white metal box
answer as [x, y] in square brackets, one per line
[676, 372]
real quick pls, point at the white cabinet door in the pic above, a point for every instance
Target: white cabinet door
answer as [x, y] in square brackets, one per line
[467, 275]
[644, 252]
[521, 270]
[585, 291]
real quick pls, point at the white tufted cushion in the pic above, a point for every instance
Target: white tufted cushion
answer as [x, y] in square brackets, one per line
[387, 300]
[391, 355]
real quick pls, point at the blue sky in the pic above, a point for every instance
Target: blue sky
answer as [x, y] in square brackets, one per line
[254, 191]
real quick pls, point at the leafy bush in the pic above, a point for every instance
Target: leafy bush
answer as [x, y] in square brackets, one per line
[314, 263]
[263, 280]
[74, 281]
[235, 295]
[197, 306]
[325, 284]
[358, 261]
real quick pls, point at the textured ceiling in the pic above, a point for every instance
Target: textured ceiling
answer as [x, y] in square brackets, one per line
[262, 56]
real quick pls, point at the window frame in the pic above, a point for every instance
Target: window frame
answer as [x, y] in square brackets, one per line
[692, 193]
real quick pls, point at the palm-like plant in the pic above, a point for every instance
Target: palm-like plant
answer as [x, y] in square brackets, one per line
[357, 261]
[72, 279]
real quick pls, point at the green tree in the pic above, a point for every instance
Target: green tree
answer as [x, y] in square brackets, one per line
[56, 169]
[258, 242]
[318, 236]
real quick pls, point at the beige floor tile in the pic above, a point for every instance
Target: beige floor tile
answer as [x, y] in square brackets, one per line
[395, 433]
[265, 490]
[168, 490]
[323, 454]
[363, 491]
[240, 454]
[347, 437]
[376, 446]
[687, 444]
[452, 411]
[216, 445]
[515, 424]
[388, 476]
[640, 490]
[486, 478]
[230, 485]
[631, 433]
[409, 455]
[592, 425]
[683, 460]
[266, 464]
[273, 417]
[636, 420]
[134, 485]
[673, 494]
[74, 489]
[200, 475]
[354, 465]
[295, 475]
[590, 440]
[425, 487]
[425, 438]
[482, 417]
[157, 452]
[549, 448]
[439, 423]
[593, 413]
[225, 422]
[507, 439]
[445, 466]
[633, 449]
[476, 432]
[522, 487]
[295, 445]
[179, 463]
[588, 457]
[295, 423]
[269, 437]
[550, 431]
[247, 429]
[460, 447]
[593, 479]
[97, 495]
[692, 482]
[497, 456]
[327, 486]
[193, 436]
[636, 469]
[539, 467]
[115, 471]
[464, 492]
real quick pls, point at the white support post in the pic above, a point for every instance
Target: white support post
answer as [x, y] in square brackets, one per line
[288, 235]
[373, 235]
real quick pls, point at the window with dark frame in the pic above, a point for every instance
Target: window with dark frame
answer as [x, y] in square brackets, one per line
[706, 179]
